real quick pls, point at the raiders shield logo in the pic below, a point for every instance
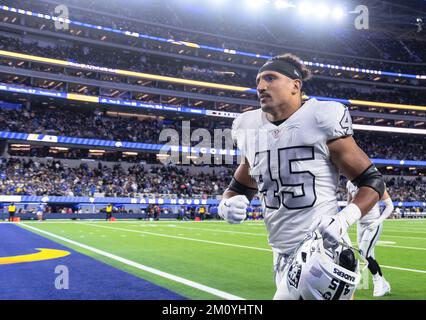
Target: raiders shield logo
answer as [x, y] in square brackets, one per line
[293, 276]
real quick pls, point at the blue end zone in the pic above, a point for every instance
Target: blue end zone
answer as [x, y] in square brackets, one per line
[89, 279]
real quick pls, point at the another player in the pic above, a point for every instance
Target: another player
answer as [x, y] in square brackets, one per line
[40, 211]
[370, 227]
[292, 152]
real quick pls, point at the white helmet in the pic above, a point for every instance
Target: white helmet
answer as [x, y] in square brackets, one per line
[316, 273]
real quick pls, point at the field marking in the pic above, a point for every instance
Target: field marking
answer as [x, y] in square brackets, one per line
[403, 231]
[134, 264]
[389, 267]
[228, 244]
[381, 242]
[182, 238]
[227, 231]
[218, 230]
[407, 226]
[354, 233]
[404, 237]
[400, 247]
[142, 224]
[146, 224]
[396, 231]
[403, 269]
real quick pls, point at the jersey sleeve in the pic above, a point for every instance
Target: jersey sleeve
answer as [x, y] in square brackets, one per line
[335, 120]
[238, 135]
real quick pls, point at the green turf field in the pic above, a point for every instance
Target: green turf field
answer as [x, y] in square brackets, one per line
[214, 259]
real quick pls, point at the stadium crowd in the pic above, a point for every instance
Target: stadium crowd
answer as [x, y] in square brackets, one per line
[400, 188]
[167, 67]
[98, 125]
[54, 178]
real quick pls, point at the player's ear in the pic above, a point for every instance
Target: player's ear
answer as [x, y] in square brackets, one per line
[297, 86]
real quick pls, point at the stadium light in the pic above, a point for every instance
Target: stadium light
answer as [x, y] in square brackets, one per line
[282, 4]
[322, 11]
[338, 13]
[255, 4]
[216, 3]
[305, 8]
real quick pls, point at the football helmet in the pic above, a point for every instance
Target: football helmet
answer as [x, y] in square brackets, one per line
[315, 273]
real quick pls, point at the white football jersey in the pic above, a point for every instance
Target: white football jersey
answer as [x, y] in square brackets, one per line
[291, 165]
[373, 214]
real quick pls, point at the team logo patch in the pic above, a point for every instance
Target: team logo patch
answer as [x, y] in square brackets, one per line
[293, 276]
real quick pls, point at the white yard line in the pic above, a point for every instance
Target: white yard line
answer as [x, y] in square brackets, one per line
[182, 238]
[219, 230]
[353, 233]
[403, 269]
[400, 247]
[402, 231]
[404, 237]
[385, 229]
[157, 272]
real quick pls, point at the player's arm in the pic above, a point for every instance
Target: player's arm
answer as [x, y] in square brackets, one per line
[388, 206]
[387, 211]
[357, 167]
[242, 183]
[238, 195]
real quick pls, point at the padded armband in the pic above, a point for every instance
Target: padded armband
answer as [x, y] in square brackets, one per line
[372, 178]
[242, 189]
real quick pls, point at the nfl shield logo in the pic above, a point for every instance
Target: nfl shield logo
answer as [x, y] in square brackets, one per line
[276, 133]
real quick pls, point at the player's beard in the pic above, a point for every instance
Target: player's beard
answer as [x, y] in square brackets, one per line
[267, 107]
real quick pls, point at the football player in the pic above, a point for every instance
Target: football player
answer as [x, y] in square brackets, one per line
[369, 229]
[40, 210]
[292, 152]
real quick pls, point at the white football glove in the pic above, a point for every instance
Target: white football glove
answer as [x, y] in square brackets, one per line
[333, 228]
[234, 209]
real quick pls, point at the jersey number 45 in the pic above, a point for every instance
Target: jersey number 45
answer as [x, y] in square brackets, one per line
[293, 189]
